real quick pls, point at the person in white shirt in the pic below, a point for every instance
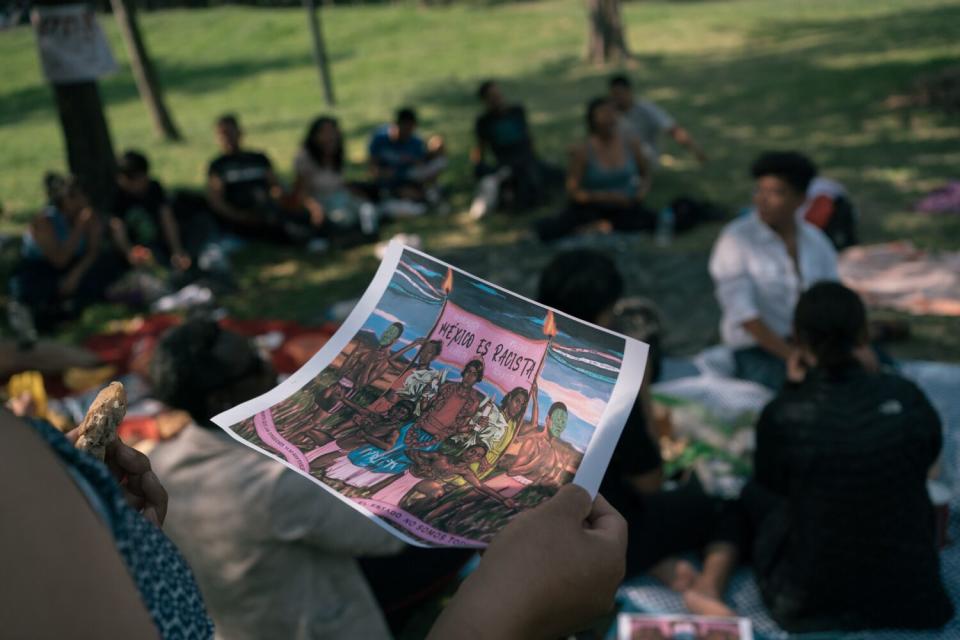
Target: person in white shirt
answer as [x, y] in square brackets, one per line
[645, 121]
[763, 261]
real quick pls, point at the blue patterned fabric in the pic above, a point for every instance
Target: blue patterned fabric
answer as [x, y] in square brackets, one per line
[940, 382]
[163, 578]
[395, 460]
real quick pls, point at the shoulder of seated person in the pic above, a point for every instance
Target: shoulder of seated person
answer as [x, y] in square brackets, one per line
[736, 229]
[896, 385]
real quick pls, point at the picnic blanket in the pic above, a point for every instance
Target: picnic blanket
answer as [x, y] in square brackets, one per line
[946, 199]
[713, 398]
[897, 275]
[129, 344]
[126, 351]
[710, 429]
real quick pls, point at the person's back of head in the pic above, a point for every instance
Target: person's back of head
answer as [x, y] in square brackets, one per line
[203, 369]
[583, 283]
[794, 168]
[830, 321]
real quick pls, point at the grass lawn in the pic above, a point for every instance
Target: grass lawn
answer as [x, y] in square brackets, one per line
[743, 75]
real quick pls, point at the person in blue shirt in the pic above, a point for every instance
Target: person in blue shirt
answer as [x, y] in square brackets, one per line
[402, 165]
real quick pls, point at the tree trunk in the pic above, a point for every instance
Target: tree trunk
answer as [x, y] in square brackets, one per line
[87, 137]
[606, 40]
[147, 84]
[320, 51]
[86, 134]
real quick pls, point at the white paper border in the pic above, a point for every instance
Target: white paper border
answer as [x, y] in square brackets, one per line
[599, 449]
[744, 625]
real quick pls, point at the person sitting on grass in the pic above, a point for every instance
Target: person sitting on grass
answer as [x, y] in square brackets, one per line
[244, 193]
[645, 121]
[143, 227]
[404, 168]
[844, 528]
[607, 181]
[763, 261]
[542, 456]
[63, 269]
[663, 525]
[448, 466]
[364, 427]
[319, 183]
[502, 131]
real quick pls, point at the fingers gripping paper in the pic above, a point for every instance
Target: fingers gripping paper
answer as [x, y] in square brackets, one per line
[445, 405]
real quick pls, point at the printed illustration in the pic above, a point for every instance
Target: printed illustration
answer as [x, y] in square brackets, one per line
[450, 408]
[684, 627]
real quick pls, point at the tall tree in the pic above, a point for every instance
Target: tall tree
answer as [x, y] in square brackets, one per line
[85, 131]
[320, 51]
[606, 41]
[147, 84]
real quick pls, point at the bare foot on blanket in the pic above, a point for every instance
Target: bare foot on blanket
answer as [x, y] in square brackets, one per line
[679, 575]
[703, 600]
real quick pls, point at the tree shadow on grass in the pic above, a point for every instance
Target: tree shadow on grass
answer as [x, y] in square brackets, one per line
[194, 80]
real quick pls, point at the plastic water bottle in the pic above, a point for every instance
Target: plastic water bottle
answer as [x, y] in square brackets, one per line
[665, 223]
[213, 258]
[368, 218]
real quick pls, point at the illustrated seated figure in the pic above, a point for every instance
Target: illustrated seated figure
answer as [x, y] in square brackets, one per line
[451, 410]
[444, 468]
[448, 413]
[365, 427]
[495, 429]
[419, 382]
[542, 457]
[361, 368]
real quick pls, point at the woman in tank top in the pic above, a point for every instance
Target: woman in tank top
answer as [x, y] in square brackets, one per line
[607, 180]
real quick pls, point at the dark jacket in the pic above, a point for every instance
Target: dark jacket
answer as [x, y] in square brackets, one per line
[844, 526]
